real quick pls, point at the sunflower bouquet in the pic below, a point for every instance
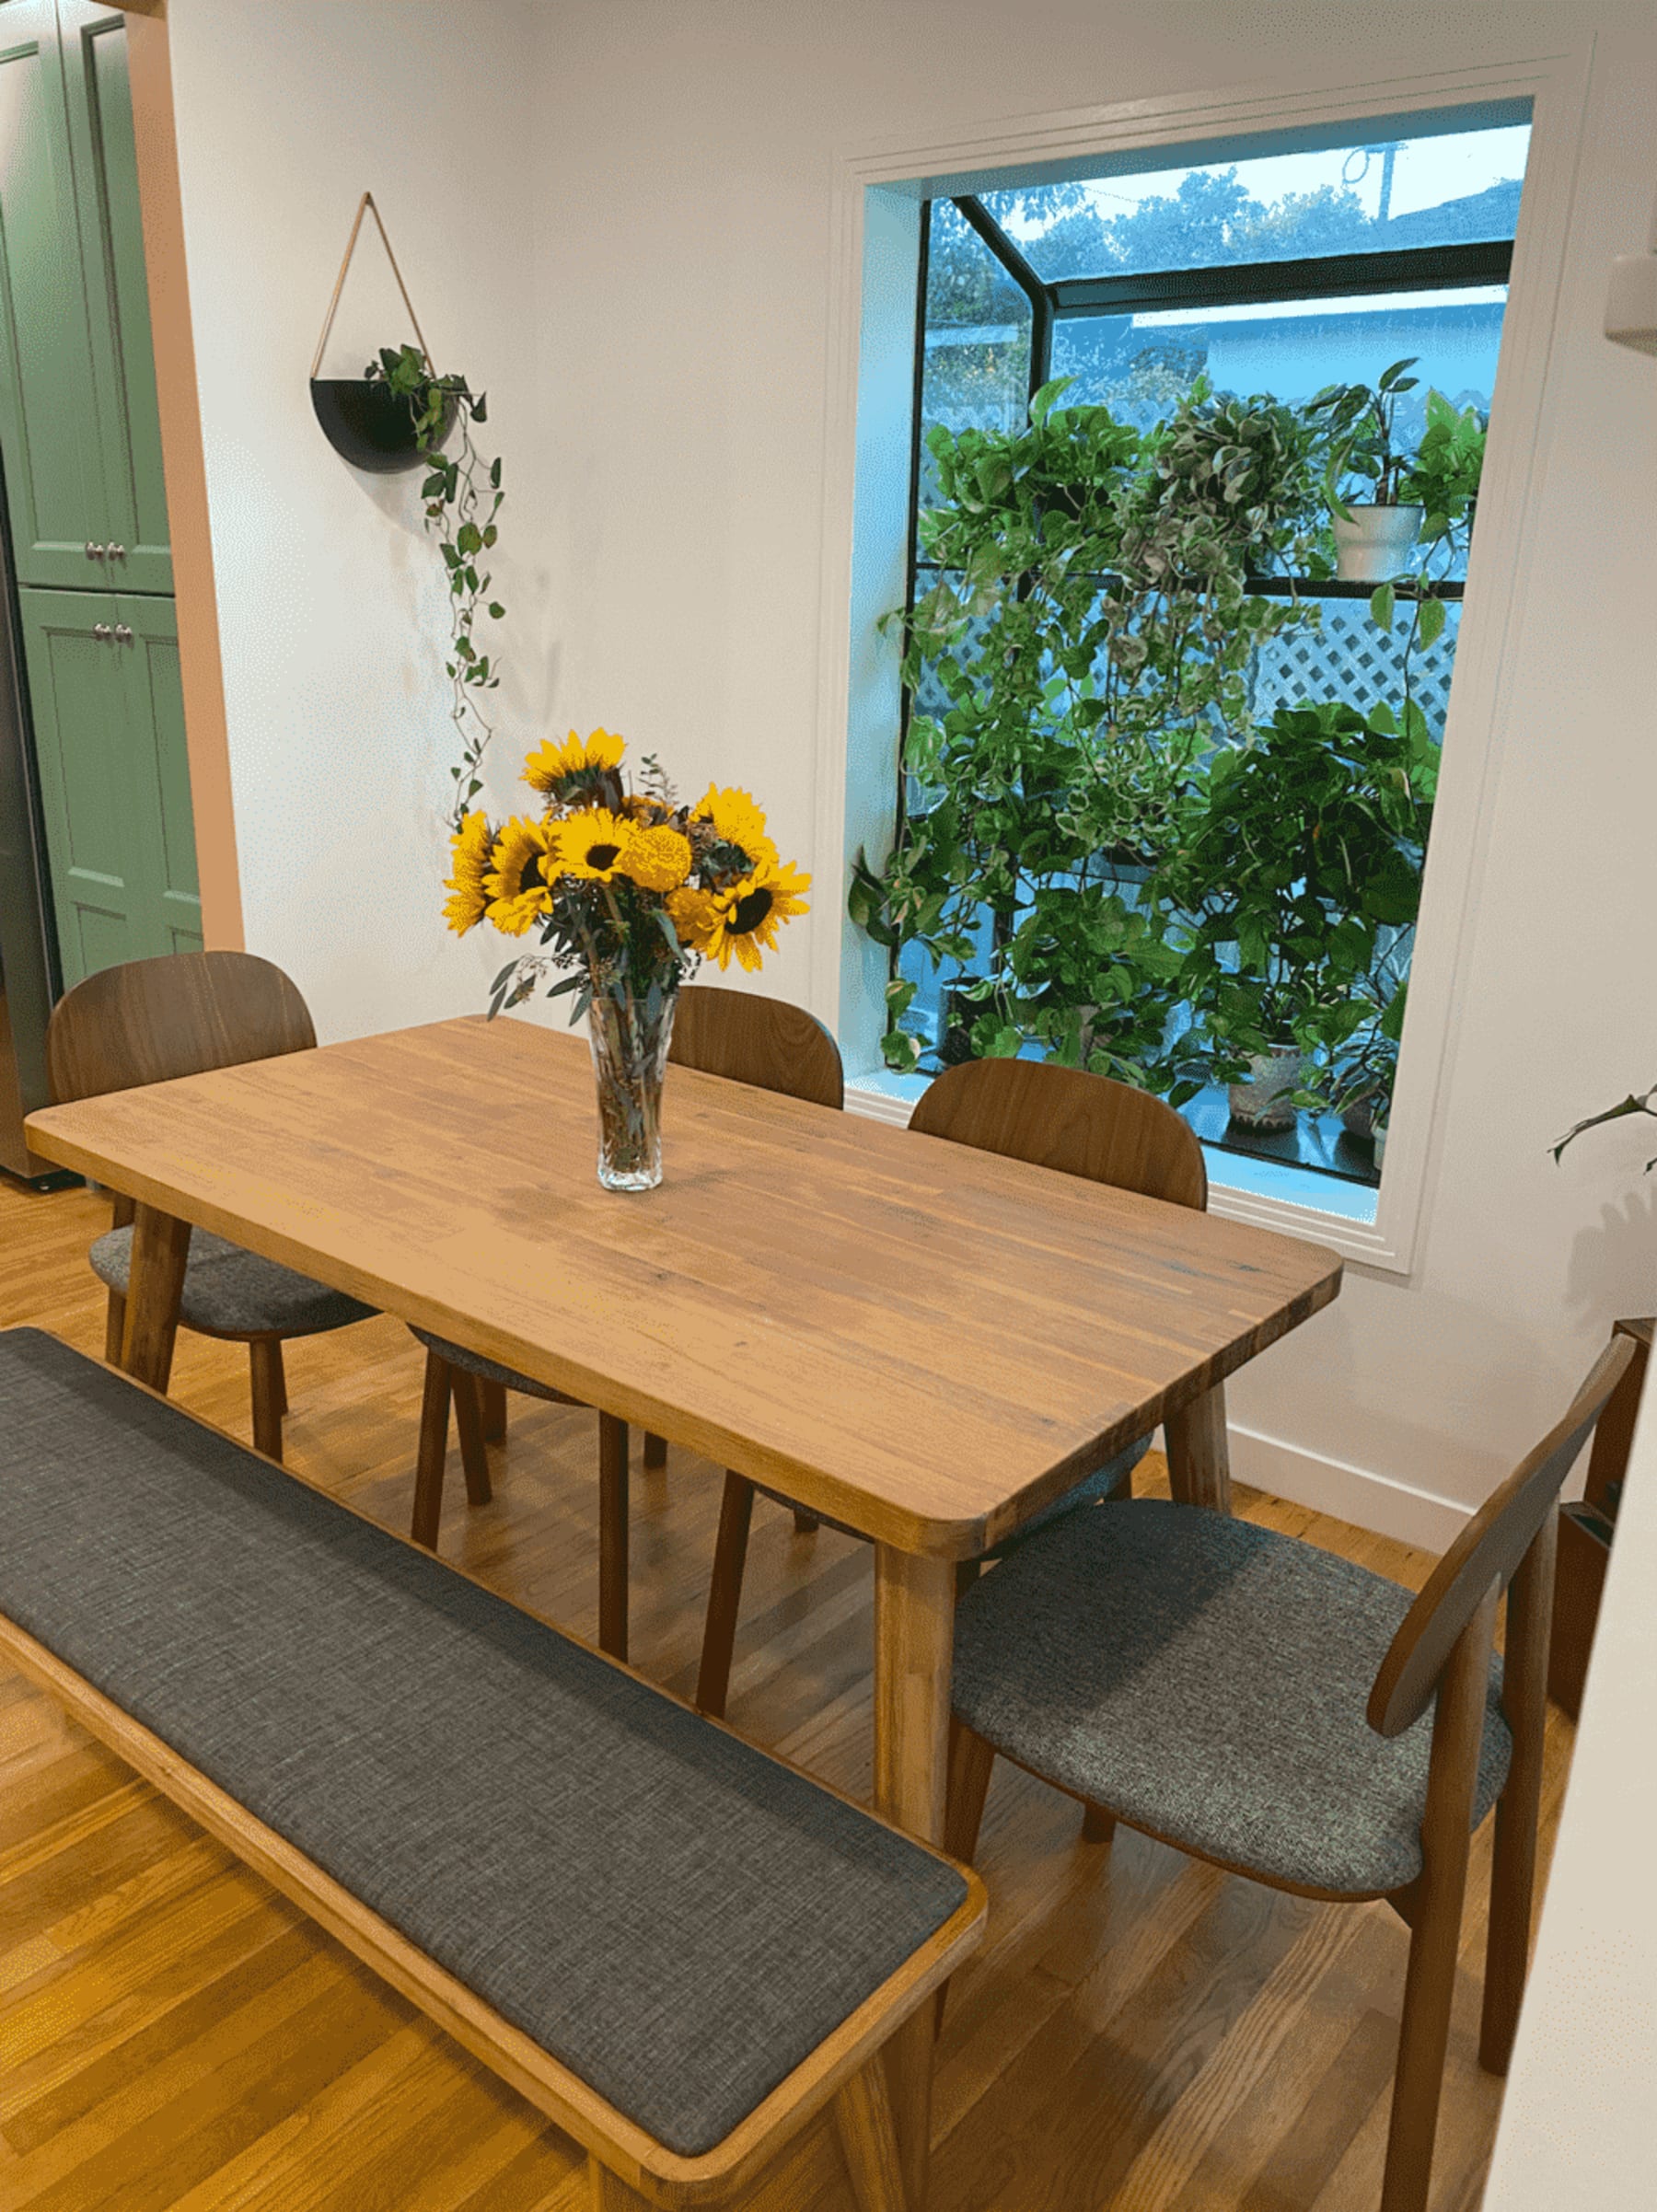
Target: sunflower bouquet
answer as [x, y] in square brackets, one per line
[629, 891]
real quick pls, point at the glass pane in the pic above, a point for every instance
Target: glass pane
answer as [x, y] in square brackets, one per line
[977, 337]
[1441, 190]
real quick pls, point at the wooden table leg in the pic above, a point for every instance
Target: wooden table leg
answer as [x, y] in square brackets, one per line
[1198, 1456]
[612, 1536]
[160, 1248]
[914, 1650]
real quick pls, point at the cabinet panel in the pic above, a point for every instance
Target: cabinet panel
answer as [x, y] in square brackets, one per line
[113, 774]
[49, 422]
[156, 721]
[104, 158]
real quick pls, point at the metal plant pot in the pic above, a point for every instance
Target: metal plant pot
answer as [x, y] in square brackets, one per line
[1374, 545]
[1267, 1100]
[1380, 1136]
[370, 425]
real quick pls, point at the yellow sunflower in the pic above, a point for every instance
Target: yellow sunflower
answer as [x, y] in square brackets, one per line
[593, 845]
[657, 860]
[520, 884]
[739, 821]
[745, 917]
[695, 915]
[472, 849]
[550, 765]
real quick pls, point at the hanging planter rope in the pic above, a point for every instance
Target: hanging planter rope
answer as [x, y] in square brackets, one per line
[363, 419]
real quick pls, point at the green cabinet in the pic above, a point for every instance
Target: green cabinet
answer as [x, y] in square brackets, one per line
[79, 419]
[114, 776]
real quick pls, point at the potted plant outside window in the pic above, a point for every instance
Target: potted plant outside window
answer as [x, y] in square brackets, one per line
[1373, 514]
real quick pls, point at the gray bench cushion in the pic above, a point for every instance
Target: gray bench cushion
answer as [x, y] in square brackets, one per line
[672, 1915]
[229, 1292]
[1206, 1680]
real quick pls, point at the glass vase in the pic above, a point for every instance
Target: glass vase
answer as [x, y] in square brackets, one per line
[630, 1038]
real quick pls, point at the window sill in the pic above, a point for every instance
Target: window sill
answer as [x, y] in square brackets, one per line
[1268, 1194]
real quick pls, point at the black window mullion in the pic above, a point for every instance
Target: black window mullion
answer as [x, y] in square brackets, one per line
[1041, 295]
[1263, 284]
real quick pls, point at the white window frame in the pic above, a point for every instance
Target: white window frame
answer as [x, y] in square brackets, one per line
[877, 192]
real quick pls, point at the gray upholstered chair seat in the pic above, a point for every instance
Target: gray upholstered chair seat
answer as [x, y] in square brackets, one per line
[229, 1292]
[671, 1913]
[1090, 1491]
[489, 1370]
[1206, 1680]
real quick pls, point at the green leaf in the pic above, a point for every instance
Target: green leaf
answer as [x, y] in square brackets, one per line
[1430, 623]
[1380, 606]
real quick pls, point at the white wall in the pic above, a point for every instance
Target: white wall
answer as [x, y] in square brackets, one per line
[652, 208]
[331, 614]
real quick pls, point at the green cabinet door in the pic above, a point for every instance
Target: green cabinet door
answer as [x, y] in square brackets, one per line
[114, 776]
[105, 164]
[49, 420]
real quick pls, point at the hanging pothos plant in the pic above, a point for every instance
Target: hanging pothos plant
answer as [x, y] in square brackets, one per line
[462, 498]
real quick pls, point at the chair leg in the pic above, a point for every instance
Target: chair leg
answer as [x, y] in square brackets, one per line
[1436, 1906]
[1097, 1826]
[612, 1536]
[806, 1521]
[1519, 1807]
[468, 1421]
[656, 1451]
[971, 1760]
[269, 1394]
[724, 1595]
[433, 1450]
[492, 1398]
[114, 1328]
[863, 2119]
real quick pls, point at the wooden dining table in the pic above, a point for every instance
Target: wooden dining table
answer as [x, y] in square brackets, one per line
[922, 1340]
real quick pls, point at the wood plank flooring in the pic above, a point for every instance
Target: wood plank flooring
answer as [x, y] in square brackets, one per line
[1141, 2032]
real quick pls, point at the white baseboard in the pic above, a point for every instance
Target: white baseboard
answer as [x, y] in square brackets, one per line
[1331, 1485]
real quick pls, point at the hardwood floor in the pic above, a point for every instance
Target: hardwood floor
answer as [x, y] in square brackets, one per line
[1140, 2032]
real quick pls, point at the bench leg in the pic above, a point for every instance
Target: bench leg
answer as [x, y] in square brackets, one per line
[433, 1450]
[114, 1328]
[656, 1451]
[468, 1419]
[270, 1394]
[862, 2118]
[160, 1253]
[724, 1595]
[607, 2192]
[612, 1536]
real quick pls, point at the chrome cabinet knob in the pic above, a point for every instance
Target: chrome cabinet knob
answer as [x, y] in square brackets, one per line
[102, 631]
[116, 552]
[94, 552]
[124, 636]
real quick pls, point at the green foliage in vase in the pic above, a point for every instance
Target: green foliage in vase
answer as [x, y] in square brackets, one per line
[463, 498]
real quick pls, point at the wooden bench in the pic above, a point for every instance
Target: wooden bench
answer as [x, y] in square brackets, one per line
[678, 1949]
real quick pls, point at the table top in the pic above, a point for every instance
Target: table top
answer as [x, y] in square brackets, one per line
[922, 1340]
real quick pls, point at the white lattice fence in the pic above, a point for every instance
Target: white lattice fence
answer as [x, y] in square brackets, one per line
[1350, 657]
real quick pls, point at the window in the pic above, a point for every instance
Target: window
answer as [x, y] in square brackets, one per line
[1143, 702]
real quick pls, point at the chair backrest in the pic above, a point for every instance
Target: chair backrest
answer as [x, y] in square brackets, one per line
[748, 1039]
[148, 1021]
[1068, 1120]
[1489, 1551]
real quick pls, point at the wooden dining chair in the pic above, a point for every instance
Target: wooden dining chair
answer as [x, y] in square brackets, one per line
[1063, 1118]
[1204, 1680]
[149, 1021]
[741, 1035]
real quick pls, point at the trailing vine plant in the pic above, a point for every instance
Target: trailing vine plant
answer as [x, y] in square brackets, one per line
[463, 498]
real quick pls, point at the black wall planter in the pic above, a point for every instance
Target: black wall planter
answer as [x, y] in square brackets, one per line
[370, 425]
